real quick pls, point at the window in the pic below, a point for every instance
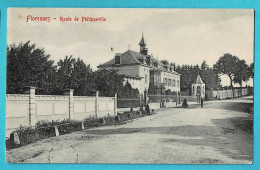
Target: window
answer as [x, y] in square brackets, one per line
[165, 81]
[178, 83]
[169, 82]
[173, 83]
[117, 59]
[145, 78]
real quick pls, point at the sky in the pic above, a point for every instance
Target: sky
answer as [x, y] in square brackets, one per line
[183, 36]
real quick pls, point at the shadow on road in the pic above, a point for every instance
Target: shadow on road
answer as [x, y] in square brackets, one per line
[226, 105]
[233, 106]
[231, 136]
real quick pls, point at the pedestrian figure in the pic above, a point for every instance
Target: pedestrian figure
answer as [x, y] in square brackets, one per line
[163, 103]
[201, 102]
[147, 108]
[141, 108]
[185, 103]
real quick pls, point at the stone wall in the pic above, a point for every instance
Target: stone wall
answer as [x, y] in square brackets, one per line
[224, 94]
[27, 109]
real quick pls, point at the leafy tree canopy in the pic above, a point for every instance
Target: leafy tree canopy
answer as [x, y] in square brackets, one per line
[28, 65]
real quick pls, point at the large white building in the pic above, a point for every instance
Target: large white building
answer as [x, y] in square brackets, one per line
[141, 69]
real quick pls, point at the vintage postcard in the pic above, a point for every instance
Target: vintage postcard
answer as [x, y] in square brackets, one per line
[130, 86]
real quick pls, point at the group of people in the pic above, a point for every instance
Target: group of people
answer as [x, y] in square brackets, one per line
[162, 104]
[147, 108]
[185, 103]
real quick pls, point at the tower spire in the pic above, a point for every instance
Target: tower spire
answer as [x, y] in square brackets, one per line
[142, 42]
[143, 49]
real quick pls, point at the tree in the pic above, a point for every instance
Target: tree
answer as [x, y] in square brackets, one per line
[210, 79]
[251, 70]
[189, 74]
[28, 65]
[241, 73]
[65, 70]
[168, 92]
[75, 74]
[152, 90]
[226, 65]
[108, 82]
[129, 92]
[204, 66]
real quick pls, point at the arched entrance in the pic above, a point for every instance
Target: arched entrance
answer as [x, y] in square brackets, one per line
[198, 94]
[198, 90]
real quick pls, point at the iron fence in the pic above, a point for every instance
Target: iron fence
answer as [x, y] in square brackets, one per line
[159, 98]
[129, 103]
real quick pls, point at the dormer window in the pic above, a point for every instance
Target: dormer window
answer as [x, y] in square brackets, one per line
[166, 67]
[155, 64]
[118, 58]
[144, 60]
[149, 60]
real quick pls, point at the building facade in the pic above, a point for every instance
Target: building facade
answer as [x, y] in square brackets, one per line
[142, 70]
[198, 88]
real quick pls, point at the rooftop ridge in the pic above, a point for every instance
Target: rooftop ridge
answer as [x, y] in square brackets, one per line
[198, 80]
[134, 57]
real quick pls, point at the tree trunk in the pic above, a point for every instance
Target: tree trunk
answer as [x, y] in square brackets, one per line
[241, 89]
[231, 84]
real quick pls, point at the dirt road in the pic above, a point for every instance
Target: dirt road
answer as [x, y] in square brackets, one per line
[219, 133]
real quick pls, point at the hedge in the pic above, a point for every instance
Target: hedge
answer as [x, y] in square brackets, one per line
[46, 129]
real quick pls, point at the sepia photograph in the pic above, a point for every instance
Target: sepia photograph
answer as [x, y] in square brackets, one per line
[129, 86]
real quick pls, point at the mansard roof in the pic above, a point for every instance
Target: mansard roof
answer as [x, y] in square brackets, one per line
[126, 59]
[134, 58]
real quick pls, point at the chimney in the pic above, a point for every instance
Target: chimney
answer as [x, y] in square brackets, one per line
[149, 60]
[165, 62]
[118, 58]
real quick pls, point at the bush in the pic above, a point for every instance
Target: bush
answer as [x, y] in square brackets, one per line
[68, 128]
[91, 122]
[27, 135]
[42, 130]
[45, 129]
[110, 120]
[65, 126]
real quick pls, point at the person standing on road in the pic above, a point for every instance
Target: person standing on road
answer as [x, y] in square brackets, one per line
[201, 102]
[163, 102]
[185, 103]
[147, 108]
